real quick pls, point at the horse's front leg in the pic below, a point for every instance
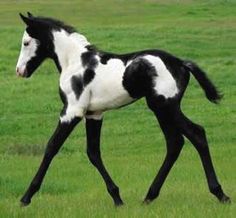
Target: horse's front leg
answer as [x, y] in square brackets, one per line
[93, 130]
[61, 133]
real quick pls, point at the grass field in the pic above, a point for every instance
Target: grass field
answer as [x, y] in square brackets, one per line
[133, 149]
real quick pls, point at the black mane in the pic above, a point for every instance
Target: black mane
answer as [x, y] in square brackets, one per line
[56, 24]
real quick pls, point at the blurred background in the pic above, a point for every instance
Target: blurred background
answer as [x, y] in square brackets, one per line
[133, 145]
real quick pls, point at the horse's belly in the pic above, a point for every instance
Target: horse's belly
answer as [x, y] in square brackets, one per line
[108, 99]
[107, 93]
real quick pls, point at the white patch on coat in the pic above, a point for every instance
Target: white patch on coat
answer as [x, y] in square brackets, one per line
[107, 91]
[165, 84]
[69, 48]
[28, 50]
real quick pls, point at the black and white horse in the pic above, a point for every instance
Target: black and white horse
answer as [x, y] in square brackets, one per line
[94, 81]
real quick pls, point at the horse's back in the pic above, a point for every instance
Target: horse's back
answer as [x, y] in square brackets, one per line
[121, 79]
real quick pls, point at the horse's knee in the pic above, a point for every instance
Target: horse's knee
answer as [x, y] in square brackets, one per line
[194, 132]
[174, 146]
[198, 138]
[199, 130]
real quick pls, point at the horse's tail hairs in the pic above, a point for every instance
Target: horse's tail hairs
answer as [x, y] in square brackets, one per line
[211, 91]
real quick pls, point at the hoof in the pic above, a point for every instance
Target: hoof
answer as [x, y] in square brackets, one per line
[119, 204]
[24, 202]
[225, 200]
[147, 201]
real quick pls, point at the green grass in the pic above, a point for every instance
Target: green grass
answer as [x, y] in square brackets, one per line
[133, 149]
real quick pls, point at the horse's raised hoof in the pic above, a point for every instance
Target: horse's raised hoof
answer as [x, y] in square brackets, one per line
[225, 200]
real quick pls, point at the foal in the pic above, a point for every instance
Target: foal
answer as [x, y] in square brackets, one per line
[94, 81]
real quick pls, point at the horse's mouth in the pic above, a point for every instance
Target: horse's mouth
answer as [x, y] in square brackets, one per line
[23, 73]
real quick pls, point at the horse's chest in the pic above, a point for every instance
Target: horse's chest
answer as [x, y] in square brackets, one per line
[102, 91]
[72, 83]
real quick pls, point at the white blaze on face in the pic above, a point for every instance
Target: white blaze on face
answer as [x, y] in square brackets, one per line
[28, 50]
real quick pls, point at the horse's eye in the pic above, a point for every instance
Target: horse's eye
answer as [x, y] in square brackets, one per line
[26, 43]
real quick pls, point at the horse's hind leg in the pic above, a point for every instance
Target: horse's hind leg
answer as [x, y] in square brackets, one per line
[196, 134]
[174, 143]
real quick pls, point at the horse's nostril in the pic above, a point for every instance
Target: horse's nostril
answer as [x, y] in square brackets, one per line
[18, 71]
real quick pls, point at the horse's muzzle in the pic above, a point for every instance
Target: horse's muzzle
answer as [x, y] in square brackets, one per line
[22, 72]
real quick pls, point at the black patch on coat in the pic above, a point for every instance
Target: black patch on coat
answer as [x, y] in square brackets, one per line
[138, 78]
[89, 62]
[105, 57]
[88, 76]
[77, 85]
[167, 58]
[88, 59]
[64, 100]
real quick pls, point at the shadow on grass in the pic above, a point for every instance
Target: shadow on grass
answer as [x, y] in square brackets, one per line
[33, 150]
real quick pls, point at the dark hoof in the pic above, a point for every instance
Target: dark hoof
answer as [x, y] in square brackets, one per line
[119, 204]
[225, 200]
[147, 201]
[24, 202]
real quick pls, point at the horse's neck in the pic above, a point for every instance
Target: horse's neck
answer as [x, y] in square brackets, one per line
[68, 48]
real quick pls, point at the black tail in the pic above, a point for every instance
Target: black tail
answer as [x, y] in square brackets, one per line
[211, 91]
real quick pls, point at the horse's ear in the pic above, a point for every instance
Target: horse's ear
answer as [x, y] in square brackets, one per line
[29, 21]
[29, 14]
[26, 20]
[33, 25]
